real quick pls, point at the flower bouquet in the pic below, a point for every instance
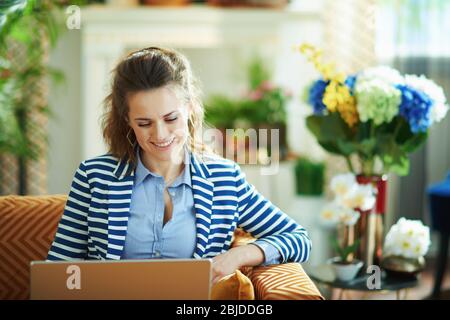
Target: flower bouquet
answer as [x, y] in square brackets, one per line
[377, 114]
[374, 119]
[405, 246]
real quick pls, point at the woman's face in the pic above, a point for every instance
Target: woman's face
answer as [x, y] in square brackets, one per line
[158, 118]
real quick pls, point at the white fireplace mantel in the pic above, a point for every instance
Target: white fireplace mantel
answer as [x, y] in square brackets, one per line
[107, 33]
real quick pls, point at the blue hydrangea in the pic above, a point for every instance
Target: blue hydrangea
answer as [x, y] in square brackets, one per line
[415, 107]
[350, 82]
[316, 95]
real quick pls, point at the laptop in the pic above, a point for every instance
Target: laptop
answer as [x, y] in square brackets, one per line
[165, 279]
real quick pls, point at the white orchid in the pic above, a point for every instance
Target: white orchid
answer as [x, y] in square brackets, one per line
[349, 217]
[360, 197]
[329, 216]
[407, 238]
[342, 184]
[350, 194]
[333, 214]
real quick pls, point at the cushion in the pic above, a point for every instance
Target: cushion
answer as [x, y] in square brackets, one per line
[286, 281]
[27, 228]
[241, 238]
[235, 286]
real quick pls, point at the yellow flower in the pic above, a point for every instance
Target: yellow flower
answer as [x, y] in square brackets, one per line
[337, 95]
[327, 70]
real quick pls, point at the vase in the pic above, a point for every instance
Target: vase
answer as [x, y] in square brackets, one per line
[398, 266]
[370, 226]
[345, 271]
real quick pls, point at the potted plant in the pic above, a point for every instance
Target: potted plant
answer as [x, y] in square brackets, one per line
[28, 30]
[345, 269]
[263, 106]
[342, 214]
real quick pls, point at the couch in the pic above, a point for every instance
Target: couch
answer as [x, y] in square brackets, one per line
[28, 225]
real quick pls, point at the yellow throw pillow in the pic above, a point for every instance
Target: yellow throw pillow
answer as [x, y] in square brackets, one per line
[286, 281]
[235, 286]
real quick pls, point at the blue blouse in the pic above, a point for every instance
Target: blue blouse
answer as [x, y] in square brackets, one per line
[147, 237]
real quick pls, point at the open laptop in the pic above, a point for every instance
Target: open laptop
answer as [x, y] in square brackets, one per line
[167, 279]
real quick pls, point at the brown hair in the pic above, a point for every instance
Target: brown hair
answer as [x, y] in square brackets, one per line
[147, 69]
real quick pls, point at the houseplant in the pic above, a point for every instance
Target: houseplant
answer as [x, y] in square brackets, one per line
[28, 30]
[309, 177]
[350, 198]
[262, 106]
[374, 119]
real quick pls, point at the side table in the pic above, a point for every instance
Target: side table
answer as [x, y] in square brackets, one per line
[323, 275]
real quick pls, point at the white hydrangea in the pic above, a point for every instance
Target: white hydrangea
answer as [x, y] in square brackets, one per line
[383, 73]
[407, 238]
[436, 93]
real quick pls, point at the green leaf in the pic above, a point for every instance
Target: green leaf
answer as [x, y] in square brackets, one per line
[331, 132]
[346, 148]
[394, 158]
[414, 142]
[257, 72]
[21, 34]
[367, 147]
[346, 251]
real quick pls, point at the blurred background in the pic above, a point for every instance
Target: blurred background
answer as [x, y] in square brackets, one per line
[57, 58]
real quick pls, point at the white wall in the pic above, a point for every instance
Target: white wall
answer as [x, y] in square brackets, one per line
[64, 128]
[218, 47]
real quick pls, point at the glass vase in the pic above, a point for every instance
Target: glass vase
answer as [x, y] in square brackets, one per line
[370, 226]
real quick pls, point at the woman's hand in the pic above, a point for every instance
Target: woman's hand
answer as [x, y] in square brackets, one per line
[235, 258]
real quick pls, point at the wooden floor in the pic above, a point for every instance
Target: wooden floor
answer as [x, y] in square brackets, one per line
[421, 292]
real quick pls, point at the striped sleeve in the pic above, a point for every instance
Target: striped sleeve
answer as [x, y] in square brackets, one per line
[71, 239]
[267, 223]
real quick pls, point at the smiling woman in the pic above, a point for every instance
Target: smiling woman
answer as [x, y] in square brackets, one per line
[161, 136]
[159, 193]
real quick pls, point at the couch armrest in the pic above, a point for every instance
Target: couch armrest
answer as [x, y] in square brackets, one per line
[286, 281]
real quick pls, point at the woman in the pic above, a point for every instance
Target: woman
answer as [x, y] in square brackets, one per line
[156, 194]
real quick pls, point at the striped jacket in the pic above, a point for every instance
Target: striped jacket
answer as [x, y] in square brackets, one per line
[94, 222]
